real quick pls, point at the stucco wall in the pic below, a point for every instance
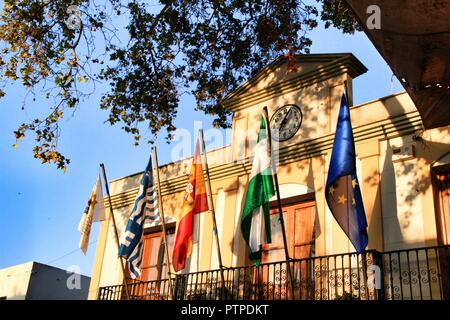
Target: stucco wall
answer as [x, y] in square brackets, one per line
[396, 191]
[14, 281]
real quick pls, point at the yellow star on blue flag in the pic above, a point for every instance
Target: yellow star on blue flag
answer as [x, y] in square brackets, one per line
[342, 188]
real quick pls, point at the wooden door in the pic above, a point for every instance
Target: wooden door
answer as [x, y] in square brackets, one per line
[303, 246]
[299, 224]
[153, 257]
[152, 283]
[444, 199]
[441, 184]
[299, 219]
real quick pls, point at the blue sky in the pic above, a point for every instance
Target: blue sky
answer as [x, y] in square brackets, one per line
[41, 206]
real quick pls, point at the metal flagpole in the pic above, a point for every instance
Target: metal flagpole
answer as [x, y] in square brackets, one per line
[348, 103]
[280, 210]
[209, 192]
[346, 93]
[163, 223]
[111, 213]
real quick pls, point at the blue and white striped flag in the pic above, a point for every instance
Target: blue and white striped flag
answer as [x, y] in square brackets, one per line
[145, 208]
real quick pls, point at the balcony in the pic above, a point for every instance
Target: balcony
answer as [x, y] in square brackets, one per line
[413, 274]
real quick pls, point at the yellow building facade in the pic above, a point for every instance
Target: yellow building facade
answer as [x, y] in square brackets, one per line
[402, 171]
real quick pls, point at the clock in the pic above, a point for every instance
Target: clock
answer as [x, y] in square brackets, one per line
[285, 122]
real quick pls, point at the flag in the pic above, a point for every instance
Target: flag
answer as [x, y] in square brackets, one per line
[145, 208]
[255, 223]
[342, 188]
[194, 201]
[94, 211]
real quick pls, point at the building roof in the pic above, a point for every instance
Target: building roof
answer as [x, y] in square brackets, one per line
[313, 68]
[414, 39]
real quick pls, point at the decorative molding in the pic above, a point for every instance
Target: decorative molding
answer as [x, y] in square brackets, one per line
[240, 99]
[380, 130]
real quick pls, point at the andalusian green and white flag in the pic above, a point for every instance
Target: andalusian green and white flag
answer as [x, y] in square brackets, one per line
[255, 224]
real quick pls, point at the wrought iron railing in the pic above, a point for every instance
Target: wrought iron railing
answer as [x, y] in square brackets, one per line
[422, 273]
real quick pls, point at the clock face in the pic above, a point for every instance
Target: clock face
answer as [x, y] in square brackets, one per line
[285, 122]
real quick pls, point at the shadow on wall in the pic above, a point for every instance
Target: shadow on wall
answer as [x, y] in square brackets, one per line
[17, 292]
[426, 151]
[396, 223]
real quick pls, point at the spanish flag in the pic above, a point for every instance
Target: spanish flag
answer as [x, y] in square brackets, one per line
[195, 201]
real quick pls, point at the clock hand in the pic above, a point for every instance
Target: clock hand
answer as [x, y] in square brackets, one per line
[283, 122]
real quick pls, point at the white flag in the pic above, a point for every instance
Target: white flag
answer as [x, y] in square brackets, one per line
[94, 211]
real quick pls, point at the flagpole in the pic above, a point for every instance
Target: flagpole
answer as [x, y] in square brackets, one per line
[111, 213]
[209, 192]
[280, 210]
[163, 223]
[348, 103]
[346, 93]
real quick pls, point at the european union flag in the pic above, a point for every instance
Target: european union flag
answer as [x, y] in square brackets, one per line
[342, 189]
